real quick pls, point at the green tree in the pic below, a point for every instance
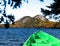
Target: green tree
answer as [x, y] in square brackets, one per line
[55, 8]
[15, 4]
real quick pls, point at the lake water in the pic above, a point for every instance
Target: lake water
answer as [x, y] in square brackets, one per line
[17, 36]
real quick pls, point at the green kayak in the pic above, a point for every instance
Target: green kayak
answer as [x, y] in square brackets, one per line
[41, 38]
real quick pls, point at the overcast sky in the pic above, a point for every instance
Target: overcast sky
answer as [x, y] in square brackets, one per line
[31, 8]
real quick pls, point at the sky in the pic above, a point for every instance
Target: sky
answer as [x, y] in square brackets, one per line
[32, 8]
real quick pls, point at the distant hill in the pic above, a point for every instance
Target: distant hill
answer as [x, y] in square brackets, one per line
[40, 17]
[24, 19]
[37, 21]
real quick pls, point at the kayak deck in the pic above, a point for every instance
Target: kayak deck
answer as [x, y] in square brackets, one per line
[41, 38]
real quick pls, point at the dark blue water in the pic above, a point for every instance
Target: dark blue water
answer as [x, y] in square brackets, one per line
[17, 36]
